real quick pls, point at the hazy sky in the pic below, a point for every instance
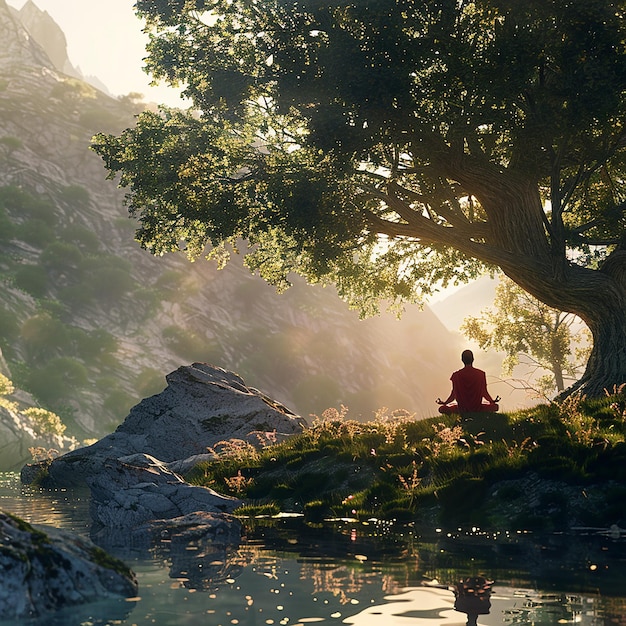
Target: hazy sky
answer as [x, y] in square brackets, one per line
[104, 39]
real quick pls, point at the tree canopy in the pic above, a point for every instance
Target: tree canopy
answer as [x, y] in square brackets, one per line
[390, 146]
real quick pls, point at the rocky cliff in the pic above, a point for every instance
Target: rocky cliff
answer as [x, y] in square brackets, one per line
[90, 323]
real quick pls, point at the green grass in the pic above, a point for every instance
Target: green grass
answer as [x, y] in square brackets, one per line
[442, 468]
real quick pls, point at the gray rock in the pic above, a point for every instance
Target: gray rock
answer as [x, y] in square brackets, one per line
[134, 490]
[201, 406]
[45, 569]
[182, 466]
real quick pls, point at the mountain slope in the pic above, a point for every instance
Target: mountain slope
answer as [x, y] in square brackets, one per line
[90, 323]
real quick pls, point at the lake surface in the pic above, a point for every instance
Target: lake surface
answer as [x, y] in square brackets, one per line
[346, 572]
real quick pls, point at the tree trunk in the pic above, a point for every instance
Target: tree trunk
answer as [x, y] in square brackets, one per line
[606, 368]
[558, 377]
[557, 358]
[598, 297]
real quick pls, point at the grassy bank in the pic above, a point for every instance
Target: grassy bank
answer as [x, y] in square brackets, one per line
[549, 467]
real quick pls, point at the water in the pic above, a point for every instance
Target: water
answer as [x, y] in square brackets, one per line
[346, 572]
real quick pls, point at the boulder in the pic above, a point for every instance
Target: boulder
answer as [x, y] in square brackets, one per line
[201, 406]
[137, 489]
[45, 569]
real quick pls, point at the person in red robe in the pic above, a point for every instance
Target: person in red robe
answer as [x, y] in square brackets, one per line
[469, 389]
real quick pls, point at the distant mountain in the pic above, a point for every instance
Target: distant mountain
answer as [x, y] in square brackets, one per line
[90, 323]
[46, 32]
[468, 300]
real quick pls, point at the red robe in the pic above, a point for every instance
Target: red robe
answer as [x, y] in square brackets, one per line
[469, 386]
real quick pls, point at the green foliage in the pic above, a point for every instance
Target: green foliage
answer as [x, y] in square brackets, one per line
[118, 402]
[6, 386]
[7, 227]
[396, 467]
[391, 147]
[112, 283]
[9, 328]
[94, 344]
[77, 296]
[149, 382]
[100, 118]
[51, 382]
[61, 257]
[35, 232]
[169, 284]
[45, 422]
[10, 143]
[75, 196]
[71, 90]
[83, 238]
[33, 279]
[342, 97]
[44, 336]
[21, 204]
[186, 344]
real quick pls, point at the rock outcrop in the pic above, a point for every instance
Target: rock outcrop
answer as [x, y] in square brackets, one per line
[201, 406]
[138, 489]
[46, 570]
[47, 33]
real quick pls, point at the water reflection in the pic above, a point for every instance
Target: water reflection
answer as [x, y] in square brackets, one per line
[346, 573]
[473, 597]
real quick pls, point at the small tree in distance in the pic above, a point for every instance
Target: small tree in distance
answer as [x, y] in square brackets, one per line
[522, 326]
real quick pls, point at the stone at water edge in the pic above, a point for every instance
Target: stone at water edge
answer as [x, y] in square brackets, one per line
[134, 490]
[45, 569]
[201, 406]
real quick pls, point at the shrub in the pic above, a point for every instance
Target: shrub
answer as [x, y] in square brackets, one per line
[75, 195]
[78, 296]
[33, 279]
[9, 327]
[93, 344]
[22, 204]
[44, 421]
[6, 386]
[84, 239]
[35, 232]
[169, 283]
[44, 336]
[118, 402]
[10, 143]
[56, 380]
[7, 228]
[112, 282]
[186, 344]
[61, 256]
[149, 381]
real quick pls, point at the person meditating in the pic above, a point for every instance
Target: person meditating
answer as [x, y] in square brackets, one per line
[469, 387]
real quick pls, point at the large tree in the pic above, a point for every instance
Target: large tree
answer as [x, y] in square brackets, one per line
[392, 145]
